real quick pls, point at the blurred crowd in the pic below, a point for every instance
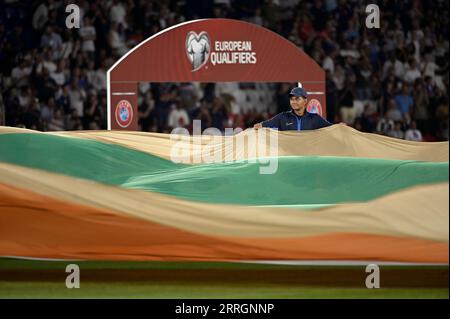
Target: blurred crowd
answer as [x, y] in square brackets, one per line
[392, 80]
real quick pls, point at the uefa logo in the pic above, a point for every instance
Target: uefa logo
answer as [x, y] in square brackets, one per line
[198, 48]
[314, 106]
[124, 113]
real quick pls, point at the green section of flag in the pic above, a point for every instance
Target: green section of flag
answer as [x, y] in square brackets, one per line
[84, 158]
[297, 181]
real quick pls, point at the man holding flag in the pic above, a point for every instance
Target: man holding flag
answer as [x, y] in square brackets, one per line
[298, 119]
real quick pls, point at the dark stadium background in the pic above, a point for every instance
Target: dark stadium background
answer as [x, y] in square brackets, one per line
[388, 80]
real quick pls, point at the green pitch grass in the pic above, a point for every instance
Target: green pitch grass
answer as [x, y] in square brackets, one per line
[46, 279]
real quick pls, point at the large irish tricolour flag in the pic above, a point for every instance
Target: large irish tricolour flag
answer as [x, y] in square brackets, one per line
[336, 194]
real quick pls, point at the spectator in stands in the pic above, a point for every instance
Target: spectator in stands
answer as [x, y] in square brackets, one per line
[413, 134]
[88, 35]
[40, 16]
[219, 114]
[204, 114]
[51, 39]
[393, 113]
[397, 131]
[367, 120]
[421, 106]
[77, 97]
[47, 111]
[91, 113]
[57, 121]
[404, 100]
[384, 125]
[412, 71]
[61, 74]
[118, 13]
[147, 113]
[20, 73]
[31, 117]
[395, 64]
[346, 99]
[178, 116]
[115, 41]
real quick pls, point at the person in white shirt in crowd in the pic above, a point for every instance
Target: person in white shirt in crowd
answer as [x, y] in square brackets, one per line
[428, 66]
[178, 117]
[69, 47]
[339, 78]
[413, 134]
[57, 121]
[165, 16]
[412, 71]
[98, 80]
[77, 97]
[328, 61]
[25, 97]
[416, 37]
[399, 68]
[88, 35]
[384, 125]
[61, 74]
[44, 60]
[40, 15]
[117, 13]
[115, 41]
[21, 73]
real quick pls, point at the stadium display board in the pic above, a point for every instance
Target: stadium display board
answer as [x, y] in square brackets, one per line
[209, 50]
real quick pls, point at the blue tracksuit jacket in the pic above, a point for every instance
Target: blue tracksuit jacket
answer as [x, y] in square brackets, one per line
[289, 121]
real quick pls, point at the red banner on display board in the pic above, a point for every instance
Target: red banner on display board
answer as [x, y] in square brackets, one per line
[212, 50]
[124, 112]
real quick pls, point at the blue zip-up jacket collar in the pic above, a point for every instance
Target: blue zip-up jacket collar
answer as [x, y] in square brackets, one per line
[289, 121]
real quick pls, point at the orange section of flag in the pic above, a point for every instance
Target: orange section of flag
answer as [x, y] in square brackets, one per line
[34, 225]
